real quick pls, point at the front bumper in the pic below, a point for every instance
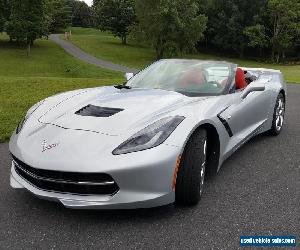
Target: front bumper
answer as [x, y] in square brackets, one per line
[123, 199]
[144, 178]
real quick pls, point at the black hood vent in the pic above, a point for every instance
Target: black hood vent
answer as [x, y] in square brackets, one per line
[91, 110]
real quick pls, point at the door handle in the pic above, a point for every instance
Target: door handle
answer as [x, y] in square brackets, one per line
[251, 89]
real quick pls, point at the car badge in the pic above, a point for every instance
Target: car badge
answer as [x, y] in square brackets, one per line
[46, 146]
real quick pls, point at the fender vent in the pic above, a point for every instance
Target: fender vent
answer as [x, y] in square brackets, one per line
[91, 110]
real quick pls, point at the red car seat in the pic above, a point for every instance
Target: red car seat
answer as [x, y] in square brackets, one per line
[240, 80]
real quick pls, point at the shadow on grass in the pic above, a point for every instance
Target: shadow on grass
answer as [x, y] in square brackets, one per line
[6, 44]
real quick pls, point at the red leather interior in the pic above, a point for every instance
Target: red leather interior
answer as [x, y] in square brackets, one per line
[240, 80]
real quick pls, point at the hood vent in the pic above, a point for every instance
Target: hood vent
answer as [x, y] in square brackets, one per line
[95, 111]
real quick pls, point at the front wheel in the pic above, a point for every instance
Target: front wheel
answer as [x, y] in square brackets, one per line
[278, 116]
[190, 178]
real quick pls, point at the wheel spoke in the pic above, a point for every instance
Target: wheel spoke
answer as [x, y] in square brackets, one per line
[281, 121]
[277, 120]
[279, 114]
[205, 147]
[202, 168]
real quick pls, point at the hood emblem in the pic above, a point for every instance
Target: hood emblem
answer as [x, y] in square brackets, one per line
[46, 146]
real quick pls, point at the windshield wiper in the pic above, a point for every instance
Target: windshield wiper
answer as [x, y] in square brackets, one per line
[122, 86]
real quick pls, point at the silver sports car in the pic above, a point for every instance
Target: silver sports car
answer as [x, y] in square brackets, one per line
[148, 142]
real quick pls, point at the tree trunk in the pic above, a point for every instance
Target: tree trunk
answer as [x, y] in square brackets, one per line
[283, 56]
[124, 40]
[159, 53]
[273, 53]
[28, 48]
[278, 57]
[160, 48]
[241, 52]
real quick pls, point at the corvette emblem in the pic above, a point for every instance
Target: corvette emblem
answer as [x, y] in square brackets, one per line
[46, 146]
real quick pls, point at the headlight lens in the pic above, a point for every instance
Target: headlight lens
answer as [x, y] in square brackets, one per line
[28, 114]
[151, 136]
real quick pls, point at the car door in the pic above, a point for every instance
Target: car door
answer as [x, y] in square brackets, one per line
[246, 114]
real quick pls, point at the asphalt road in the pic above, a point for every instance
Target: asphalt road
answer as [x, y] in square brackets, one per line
[80, 54]
[257, 192]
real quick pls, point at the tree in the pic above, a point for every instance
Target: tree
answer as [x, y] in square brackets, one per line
[170, 26]
[116, 16]
[2, 18]
[257, 37]
[227, 20]
[284, 25]
[191, 25]
[59, 15]
[27, 21]
[81, 13]
[4, 13]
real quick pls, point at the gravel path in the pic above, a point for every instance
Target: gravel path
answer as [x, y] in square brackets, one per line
[80, 54]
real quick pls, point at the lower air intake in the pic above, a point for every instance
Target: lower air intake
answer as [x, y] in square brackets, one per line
[67, 182]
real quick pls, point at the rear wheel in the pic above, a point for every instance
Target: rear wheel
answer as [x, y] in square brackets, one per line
[278, 116]
[191, 174]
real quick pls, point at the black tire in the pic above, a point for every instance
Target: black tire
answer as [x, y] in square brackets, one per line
[276, 129]
[190, 182]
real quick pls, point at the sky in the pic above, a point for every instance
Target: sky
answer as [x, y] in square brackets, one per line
[89, 2]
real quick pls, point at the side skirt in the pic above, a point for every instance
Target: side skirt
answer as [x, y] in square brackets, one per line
[246, 139]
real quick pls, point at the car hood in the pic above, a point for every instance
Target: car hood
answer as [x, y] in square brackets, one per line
[131, 108]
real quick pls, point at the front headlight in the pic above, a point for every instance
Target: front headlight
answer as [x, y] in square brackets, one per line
[150, 137]
[28, 114]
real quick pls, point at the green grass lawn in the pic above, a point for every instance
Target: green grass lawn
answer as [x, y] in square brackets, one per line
[49, 70]
[105, 46]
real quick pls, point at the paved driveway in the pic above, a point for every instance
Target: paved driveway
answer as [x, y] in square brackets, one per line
[257, 192]
[80, 54]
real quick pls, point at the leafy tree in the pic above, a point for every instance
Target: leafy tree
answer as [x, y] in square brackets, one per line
[81, 13]
[59, 15]
[116, 16]
[191, 25]
[257, 37]
[27, 21]
[284, 25]
[170, 26]
[4, 13]
[2, 18]
[227, 20]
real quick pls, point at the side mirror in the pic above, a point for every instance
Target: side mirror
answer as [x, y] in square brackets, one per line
[251, 89]
[128, 76]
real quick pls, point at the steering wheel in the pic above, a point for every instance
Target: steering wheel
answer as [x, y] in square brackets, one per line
[215, 83]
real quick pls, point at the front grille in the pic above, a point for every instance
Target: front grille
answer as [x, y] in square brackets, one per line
[91, 110]
[67, 182]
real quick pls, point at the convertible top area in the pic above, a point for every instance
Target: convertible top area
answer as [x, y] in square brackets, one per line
[189, 77]
[196, 77]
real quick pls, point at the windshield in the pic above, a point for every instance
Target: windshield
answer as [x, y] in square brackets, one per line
[190, 77]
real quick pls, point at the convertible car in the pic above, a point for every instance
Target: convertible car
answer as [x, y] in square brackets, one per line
[150, 141]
